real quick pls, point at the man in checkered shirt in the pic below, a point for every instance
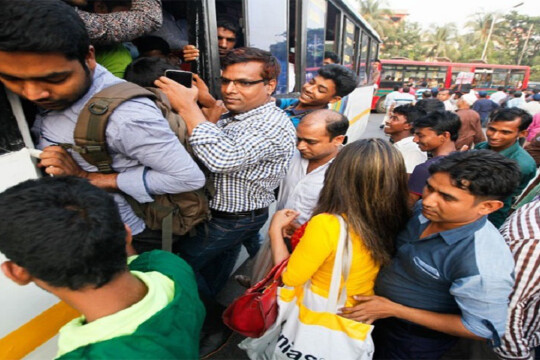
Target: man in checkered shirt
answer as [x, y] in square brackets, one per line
[248, 152]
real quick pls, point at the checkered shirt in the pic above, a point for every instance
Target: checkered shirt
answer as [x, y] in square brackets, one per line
[248, 155]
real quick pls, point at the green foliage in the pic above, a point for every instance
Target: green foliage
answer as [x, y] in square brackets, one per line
[507, 44]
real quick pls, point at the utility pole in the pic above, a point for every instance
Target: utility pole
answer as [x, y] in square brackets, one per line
[491, 29]
[525, 45]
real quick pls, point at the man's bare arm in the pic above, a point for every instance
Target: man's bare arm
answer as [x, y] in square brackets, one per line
[372, 308]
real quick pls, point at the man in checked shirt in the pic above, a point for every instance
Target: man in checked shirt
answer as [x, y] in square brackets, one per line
[248, 152]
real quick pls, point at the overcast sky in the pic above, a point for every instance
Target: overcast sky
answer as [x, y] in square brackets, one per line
[428, 12]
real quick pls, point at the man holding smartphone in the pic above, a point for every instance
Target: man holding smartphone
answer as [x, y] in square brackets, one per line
[248, 152]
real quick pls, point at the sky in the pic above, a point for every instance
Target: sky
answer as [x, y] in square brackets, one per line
[429, 12]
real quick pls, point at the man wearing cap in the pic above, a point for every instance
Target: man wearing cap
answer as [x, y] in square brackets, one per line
[533, 106]
[483, 106]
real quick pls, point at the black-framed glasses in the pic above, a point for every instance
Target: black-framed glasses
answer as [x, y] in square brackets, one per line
[240, 83]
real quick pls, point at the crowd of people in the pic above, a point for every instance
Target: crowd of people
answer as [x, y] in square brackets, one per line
[442, 219]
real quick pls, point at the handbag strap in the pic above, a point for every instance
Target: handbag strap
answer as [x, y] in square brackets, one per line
[341, 268]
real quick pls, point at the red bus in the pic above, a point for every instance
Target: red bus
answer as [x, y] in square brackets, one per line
[487, 77]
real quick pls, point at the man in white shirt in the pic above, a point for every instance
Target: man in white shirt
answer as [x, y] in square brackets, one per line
[403, 98]
[388, 103]
[499, 95]
[320, 135]
[399, 126]
[446, 97]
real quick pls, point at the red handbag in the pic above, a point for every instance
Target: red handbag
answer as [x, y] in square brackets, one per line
[256, 310]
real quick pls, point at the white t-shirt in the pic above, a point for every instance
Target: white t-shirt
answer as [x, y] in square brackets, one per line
[411, 153]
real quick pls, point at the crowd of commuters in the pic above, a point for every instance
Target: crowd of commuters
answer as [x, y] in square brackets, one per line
[439, 218]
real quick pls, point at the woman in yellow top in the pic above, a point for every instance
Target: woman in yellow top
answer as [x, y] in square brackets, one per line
[367, 185]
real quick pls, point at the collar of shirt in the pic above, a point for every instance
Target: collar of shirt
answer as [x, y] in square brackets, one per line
[404, 142]
[450, 236]
[229, 118]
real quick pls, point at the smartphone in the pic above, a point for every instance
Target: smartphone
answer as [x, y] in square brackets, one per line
[182, 77]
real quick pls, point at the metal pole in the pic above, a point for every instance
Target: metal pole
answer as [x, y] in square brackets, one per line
[489, 36]
[525, 45]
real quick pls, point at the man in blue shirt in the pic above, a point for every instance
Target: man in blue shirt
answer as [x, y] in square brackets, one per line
[452, 272]
[483, 106]
[46, 58]
[331, 84]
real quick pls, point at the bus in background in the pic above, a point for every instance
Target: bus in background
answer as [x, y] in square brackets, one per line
[487, 77]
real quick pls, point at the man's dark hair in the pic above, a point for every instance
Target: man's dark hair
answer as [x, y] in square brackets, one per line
[440, 122]
[43, 27]
[406, 89]
[484, 173]
[424, 84]
[344, 78]
[228, 24]
[518, 94]
[426, 94]
[63, 231]
[410, 112]
[500, 88]
[148, 43]
[144, 71]
[271, 68]
[332, 56]
[396, 87]
[482, 95]
[511, 114]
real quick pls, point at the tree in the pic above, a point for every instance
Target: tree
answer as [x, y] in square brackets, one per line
[376, 15]
[441, 42]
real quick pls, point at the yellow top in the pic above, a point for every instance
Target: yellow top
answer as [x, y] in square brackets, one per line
[314, 257]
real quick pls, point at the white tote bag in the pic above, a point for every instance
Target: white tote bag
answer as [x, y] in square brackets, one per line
[307, 326]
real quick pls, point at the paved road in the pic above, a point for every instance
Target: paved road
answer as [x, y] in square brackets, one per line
[232, 289]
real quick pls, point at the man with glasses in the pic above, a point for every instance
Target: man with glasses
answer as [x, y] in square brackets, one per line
[248, 152]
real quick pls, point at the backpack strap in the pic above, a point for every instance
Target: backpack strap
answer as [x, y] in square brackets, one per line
[89, 132]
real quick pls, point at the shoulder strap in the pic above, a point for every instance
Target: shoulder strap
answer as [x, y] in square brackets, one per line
[89, 132]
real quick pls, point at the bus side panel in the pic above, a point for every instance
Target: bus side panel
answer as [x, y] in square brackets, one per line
[30, 317]
[356, 106]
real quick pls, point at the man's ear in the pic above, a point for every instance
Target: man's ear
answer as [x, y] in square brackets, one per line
[489, 206]
[408, 126]
[335, 99]
[523, 133]
[129, 239]
[338, 140]
[90, 58]
[16, 273]
[271, 86]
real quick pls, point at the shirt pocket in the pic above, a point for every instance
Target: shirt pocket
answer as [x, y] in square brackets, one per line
[426, 269]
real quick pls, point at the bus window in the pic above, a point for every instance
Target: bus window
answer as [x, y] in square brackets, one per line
[266, 28]
[516, 78]
[498, 78]
[316, 17]
[349, 42]
[363, 70]
[333, 22]
[436, 76]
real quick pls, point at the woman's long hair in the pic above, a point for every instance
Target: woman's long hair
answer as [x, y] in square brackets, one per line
[367, 182]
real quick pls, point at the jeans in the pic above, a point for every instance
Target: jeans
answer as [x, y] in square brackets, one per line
[213, 250]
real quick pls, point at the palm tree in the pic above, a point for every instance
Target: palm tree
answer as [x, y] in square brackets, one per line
[377, 14]
[441, 41]
[480, 26]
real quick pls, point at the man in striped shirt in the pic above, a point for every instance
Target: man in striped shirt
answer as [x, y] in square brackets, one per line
[522, 233]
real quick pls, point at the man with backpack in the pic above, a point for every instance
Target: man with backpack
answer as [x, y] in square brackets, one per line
[46, 58]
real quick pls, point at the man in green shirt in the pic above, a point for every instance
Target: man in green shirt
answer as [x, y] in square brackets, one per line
[67, 237]
[504, 128]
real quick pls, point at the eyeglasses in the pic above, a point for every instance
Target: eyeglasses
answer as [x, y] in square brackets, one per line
[240, 83]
